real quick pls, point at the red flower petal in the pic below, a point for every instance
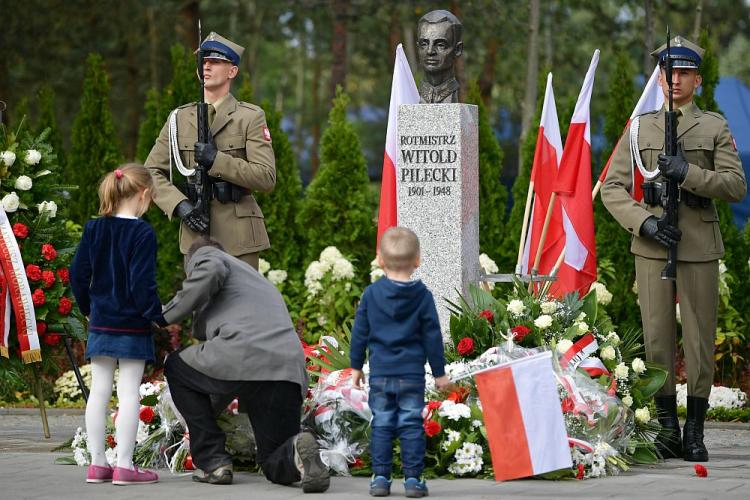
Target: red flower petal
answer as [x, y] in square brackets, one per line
[700, 471]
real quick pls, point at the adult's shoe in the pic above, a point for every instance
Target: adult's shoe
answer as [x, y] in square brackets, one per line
[693, 449]
[220, 475]
[668, 440]
[315, 475]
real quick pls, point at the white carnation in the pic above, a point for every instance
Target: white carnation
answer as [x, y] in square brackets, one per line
[488, 264]
[8, 157]
[342, 269]
[23, 183]
[32, 157]
[263, 266]
[10, 202]
[48, 207]
[543, 321]
[549, 307]
[608, 352]
[622, 371]
[564, 345]
[642, 415]
[628, 400]
[329, 256]
[638, 366]
[277, 276]
[516, 307]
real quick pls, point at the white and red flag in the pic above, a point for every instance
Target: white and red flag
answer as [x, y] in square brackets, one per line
[543, 172]
[523, 418]
[403, 91]
[573, 186]
[652, 99]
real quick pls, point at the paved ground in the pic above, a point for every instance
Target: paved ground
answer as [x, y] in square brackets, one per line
[27, 470]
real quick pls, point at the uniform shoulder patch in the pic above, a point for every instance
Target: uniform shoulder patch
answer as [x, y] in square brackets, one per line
[266, 133]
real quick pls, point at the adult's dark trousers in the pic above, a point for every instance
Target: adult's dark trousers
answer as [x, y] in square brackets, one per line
[274, 409]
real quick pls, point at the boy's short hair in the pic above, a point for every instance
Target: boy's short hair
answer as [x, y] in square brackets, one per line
[399, 248]
[201, 242]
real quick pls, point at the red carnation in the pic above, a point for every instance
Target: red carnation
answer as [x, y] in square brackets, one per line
[49, 278]
[487, 314]
[49, 252]
[700, 471]
[64, 275]
[41, 327]
[520, 332]
[465, 346]
[51, 338]
[433, 405]
[147, 414]
[33, 272]
[111, 441]
[358, 463]
[189, 463]
[65, 306]
[432, 428]
[567, 405]
[580, 472]
[38, 297]
[20, 230]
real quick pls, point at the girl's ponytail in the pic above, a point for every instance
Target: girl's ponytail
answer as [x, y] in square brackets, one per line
[122, 183]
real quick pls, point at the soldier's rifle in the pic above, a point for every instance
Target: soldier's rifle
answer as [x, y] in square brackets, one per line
[670, 191]
[202, 180]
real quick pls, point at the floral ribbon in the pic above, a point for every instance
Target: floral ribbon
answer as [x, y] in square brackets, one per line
[582, 349]
[15, 287]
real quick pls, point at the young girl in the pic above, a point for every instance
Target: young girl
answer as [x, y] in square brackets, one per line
[113, 277]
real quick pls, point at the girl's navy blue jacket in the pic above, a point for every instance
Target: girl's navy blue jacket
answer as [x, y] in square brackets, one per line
[113, 276]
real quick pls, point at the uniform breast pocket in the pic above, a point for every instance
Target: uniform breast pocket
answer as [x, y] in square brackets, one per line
[187, 150]
[233, 145]
[651, 148]
[699, 150]
[251, 229]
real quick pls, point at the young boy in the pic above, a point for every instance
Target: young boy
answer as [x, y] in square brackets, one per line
[398, 323]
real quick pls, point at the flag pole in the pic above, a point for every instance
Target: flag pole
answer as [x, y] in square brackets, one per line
[560, 258]
[543, 238]
[524, 226]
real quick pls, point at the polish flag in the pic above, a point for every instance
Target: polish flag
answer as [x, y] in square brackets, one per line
[573, 186]
[523, 418]
[403, 91]
[652, 99]
[543, 172]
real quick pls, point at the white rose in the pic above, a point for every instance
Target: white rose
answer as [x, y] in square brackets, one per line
[583, 327]
[642, 415]
[32, 157]
[564, 345]
[603, 296]
[549, 307]
[543, 321]
[622, 371]
[613, 338]
[628, 400]
[23, 183]
[50, 207]
[8, 157]
[277, 276]
[10, 202]
[608, 352]
[263, 266]
[516, 307]
[638, 366]
[488, 264]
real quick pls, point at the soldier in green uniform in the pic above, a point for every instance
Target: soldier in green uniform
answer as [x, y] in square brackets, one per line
[240, 157]
[706, 167]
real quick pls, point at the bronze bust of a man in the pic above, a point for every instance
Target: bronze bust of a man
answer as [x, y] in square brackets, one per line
[439, 44]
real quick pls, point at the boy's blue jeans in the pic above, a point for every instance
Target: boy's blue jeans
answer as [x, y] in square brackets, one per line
[396, 404]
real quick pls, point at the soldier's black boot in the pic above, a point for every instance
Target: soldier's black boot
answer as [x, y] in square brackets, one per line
[693, 449]
[668, 442]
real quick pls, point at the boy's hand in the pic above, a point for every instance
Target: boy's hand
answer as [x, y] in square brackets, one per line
[443, 383]
[358, 378]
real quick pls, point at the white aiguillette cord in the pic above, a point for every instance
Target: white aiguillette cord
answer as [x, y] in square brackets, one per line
[174, 147]
[635, 153]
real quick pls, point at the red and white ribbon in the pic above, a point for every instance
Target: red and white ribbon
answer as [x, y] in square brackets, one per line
[582, 349]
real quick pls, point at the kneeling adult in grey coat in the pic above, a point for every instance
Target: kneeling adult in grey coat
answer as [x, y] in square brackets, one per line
[249, 349]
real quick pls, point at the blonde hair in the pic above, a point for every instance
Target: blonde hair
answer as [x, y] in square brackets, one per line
[122, 183]
[399, 249]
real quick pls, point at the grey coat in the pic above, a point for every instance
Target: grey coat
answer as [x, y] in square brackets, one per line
[241, 319]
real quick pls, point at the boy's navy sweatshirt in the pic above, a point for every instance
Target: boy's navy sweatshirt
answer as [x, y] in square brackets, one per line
[113, 276]
[398, 323]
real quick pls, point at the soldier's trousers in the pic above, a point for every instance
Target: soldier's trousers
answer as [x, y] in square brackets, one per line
[697, 290]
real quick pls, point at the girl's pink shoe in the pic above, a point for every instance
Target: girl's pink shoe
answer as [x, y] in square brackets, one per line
[123, 476]
[99, 474]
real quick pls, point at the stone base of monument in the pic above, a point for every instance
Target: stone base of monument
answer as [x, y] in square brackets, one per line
[438, 195]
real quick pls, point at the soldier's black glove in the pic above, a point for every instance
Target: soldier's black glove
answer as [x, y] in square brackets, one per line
[205, 154]
[662, 233]
[674, 167]
[192, 218]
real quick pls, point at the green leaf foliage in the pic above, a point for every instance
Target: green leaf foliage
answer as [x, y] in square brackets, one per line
[710, 72]
[48, 120]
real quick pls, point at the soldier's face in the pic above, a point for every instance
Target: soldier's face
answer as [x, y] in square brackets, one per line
[684, 84]
[437, 49]
[217, 73]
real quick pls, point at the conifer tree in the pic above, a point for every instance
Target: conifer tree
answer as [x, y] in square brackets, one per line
[245, 92]
[282, 205]
[710, 72]
[492, 193]
[94, 149]
[48, 119]
[338, 208]
[150, 125]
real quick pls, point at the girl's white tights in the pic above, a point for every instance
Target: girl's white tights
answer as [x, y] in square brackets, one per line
[126, 425]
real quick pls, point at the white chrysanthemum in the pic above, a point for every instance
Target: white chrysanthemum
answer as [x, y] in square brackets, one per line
[628, 400]
[263, 266]
[10, 202]
[81, 457]
[603, 296]
[516, 307]
[642, 415]
[622, 371]
[376, 274]
[638, 366]
[342, 269]
[468, 460]
[110, 454]
[23, 183]
[608, 352]
[451, 437]
[549, 307]
[613, 339]
[489, 265]
[48, 207]
[564, 345]
[277, 276]
[583, 327]
[32, 157]
[543, 321]
[8, 157]
[454, 411]
[329, 256]
[475, 424]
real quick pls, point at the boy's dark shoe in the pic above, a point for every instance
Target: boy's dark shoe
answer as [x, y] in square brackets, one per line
[220, 475]
[315, 475]
[380, 486]
[415, 488]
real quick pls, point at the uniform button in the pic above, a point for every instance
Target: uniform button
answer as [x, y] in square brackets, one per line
[648, 144]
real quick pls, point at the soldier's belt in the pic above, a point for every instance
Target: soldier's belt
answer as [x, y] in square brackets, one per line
[652, 192]
[221, 191]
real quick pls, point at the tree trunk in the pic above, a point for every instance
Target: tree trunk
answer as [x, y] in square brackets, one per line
[532, 75]
[648, 38]
[410, 48]
[460, 66]
[338, 44]
[487, 77]
[153, 48]
[697, 24]
[394, 34]
[187, 23]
